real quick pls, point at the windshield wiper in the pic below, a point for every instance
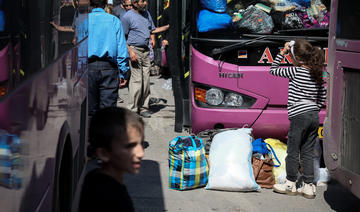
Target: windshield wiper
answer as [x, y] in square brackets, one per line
[288, 37]
[221, 50]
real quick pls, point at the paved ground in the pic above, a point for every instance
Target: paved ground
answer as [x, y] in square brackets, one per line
[150, 192]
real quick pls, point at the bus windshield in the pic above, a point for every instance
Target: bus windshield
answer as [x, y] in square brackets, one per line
[256, 24]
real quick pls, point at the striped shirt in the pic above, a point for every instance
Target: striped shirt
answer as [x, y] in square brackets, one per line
[304, 93]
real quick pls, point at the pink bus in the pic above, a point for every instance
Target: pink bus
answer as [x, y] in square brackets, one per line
[341, 126]
[43, 104]
[230, 81]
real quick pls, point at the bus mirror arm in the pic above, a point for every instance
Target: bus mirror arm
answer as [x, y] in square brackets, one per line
[217, 51]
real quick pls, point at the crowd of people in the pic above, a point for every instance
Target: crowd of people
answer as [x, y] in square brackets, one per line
[119, 42]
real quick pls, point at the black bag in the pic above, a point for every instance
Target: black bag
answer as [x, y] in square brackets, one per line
[255, 20]
[286, 20]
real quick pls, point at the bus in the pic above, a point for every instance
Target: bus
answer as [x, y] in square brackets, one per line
[43, 103]
[230, 85]
[341, 125]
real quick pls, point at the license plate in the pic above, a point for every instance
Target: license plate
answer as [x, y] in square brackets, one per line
[321, 132]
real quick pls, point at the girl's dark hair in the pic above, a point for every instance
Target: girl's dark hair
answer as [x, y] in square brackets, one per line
[311, 56]
[98, 3]
[109, 124]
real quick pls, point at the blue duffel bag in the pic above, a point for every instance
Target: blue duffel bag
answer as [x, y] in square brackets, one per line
[209, 21]
[214, 5]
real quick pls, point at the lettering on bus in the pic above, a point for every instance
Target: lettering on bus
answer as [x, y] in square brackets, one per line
[267, 57]
[231, 75]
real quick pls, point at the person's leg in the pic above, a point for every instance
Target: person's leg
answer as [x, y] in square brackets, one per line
[145, 98]
[93, 99]
[108, 87]
[292, 159]
[93, 90]
[307, 147]
[295, 137]
[135, 83]
[308, 189]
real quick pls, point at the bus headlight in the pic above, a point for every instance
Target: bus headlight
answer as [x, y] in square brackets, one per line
[233, 99]
[211, 97]
[214, 96]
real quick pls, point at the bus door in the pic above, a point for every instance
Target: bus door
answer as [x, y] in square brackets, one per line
[341, 127]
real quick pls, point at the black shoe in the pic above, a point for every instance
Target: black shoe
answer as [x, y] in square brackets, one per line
[145, 114]
[153, 100]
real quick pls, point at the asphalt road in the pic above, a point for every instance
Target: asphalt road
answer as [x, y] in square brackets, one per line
[149, 189]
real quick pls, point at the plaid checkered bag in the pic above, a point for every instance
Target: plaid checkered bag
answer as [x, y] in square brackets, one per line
[188, 167]
[10, 161]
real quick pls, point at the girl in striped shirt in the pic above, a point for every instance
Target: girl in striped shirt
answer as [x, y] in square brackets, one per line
[307, 95]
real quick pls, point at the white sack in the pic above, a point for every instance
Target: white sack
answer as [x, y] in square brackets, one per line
[230, 161]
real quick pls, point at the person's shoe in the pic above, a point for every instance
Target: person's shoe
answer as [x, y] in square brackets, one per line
[288, 188]
[308, 190]
[153, 100]
[145, 114]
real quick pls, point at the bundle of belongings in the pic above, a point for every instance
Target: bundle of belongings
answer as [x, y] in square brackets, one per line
[236, 161]
[230, 161]
[263, 163]
[213, 16]
[188, 167]
[262, 16]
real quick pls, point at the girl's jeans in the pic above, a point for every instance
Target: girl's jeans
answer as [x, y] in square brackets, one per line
[301, 139]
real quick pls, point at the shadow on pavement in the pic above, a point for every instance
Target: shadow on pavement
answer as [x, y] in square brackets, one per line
[341, 200]
[145, 188]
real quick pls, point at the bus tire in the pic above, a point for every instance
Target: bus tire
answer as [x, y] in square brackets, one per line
[63, 183]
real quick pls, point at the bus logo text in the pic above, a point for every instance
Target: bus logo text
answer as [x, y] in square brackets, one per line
[231, 75]
[267, 57]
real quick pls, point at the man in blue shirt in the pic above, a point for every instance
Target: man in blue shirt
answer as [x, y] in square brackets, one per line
[107, 58]
[138, 26]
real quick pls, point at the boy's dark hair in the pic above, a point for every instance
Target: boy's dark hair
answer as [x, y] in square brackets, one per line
[98, 3]
[111, 123]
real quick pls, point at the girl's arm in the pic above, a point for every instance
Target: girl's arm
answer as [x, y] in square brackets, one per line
[276, 70]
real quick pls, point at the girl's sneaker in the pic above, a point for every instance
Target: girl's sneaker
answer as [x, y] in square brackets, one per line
[288, 188]
[308, 190]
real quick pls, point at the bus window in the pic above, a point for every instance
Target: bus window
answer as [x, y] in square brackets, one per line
[347, 25]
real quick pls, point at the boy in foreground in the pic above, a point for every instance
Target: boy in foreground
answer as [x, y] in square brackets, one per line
[117, 135]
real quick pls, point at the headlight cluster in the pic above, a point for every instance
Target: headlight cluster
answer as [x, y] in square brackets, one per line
[215, 97]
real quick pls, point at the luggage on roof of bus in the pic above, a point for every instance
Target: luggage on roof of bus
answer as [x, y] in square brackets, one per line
[255, 20]
[284, 15]
[209, 21]
[214, 5]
